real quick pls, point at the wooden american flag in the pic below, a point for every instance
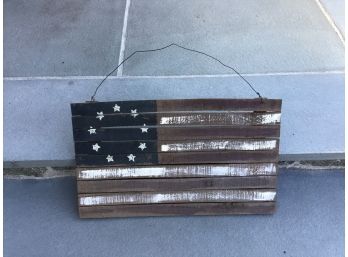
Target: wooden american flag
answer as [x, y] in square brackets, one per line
[176, 157]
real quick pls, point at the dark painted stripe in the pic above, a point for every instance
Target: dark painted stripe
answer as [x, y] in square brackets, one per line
[174, 184]
[177, 209]
[180, 158]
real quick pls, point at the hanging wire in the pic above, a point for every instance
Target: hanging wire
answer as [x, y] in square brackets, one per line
[182, 47]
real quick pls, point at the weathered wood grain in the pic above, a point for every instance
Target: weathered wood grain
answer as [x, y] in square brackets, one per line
[174, 184]
[177, 209]
[268, 105]
[90, 108]
[217, 157]
[177, 171]
[217, 145]
[218, 118]
[177, 119]
[147, 146]
[179, 158]
[227, 195]
[176, 157]
[177, 133]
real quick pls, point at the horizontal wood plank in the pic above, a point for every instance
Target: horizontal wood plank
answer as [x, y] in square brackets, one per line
[174, 171]
[176, 133]
[176, 119]
[90, 108]
[174, 184]
[177, 209]
[146, 146]
[178, 158]
[226, 195]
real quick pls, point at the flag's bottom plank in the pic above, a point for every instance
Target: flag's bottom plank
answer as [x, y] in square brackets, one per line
[174, 184]
[177, 209]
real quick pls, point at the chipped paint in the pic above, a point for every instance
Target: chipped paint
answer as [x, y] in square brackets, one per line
[186, 196]
[243, 145]
[221, 118]
[271, 118]
[257, 169]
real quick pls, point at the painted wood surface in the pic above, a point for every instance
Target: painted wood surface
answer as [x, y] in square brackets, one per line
[173, 171]
[233, 195]
[176, 157]
[175, 133]
[90, 108]
[174, 184]
[153, 146]
[177, 209]
[176, 119]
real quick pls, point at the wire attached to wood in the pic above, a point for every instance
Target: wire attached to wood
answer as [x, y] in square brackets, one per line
[182, 47]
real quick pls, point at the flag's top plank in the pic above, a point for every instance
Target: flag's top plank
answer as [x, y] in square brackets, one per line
[176, 119]
[185, 105]
[176, 133]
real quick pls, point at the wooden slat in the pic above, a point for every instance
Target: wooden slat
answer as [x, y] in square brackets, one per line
[177, 171]
[90, 108]
[174, 184]
[218, 157]
[146, 146]
[268, 105]
[177, 133]
[227, 195]
[177, 119]
[177, 209]
[180, 158]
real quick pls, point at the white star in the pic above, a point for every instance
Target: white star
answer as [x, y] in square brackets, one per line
[96, 147]
[92, 130]
[144, 130]
[110, 158]
[116, 108]
[100, 115]
[131, 157]
[142, 146]
[134, 113]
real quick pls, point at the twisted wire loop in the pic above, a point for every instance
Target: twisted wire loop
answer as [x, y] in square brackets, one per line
[184, 48]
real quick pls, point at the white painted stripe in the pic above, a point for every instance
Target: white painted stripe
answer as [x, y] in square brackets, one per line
[270, 118]
[123, 39]
[331, 22]
[177, 197]
[243, 145]
[173, 76]
[258, 169]
[231, 118]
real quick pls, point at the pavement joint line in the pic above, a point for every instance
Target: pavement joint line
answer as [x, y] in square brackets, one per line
[123, 39]
[331, 21]
[173, 76]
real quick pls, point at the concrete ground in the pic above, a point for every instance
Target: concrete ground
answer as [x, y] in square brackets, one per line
[40, 219]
